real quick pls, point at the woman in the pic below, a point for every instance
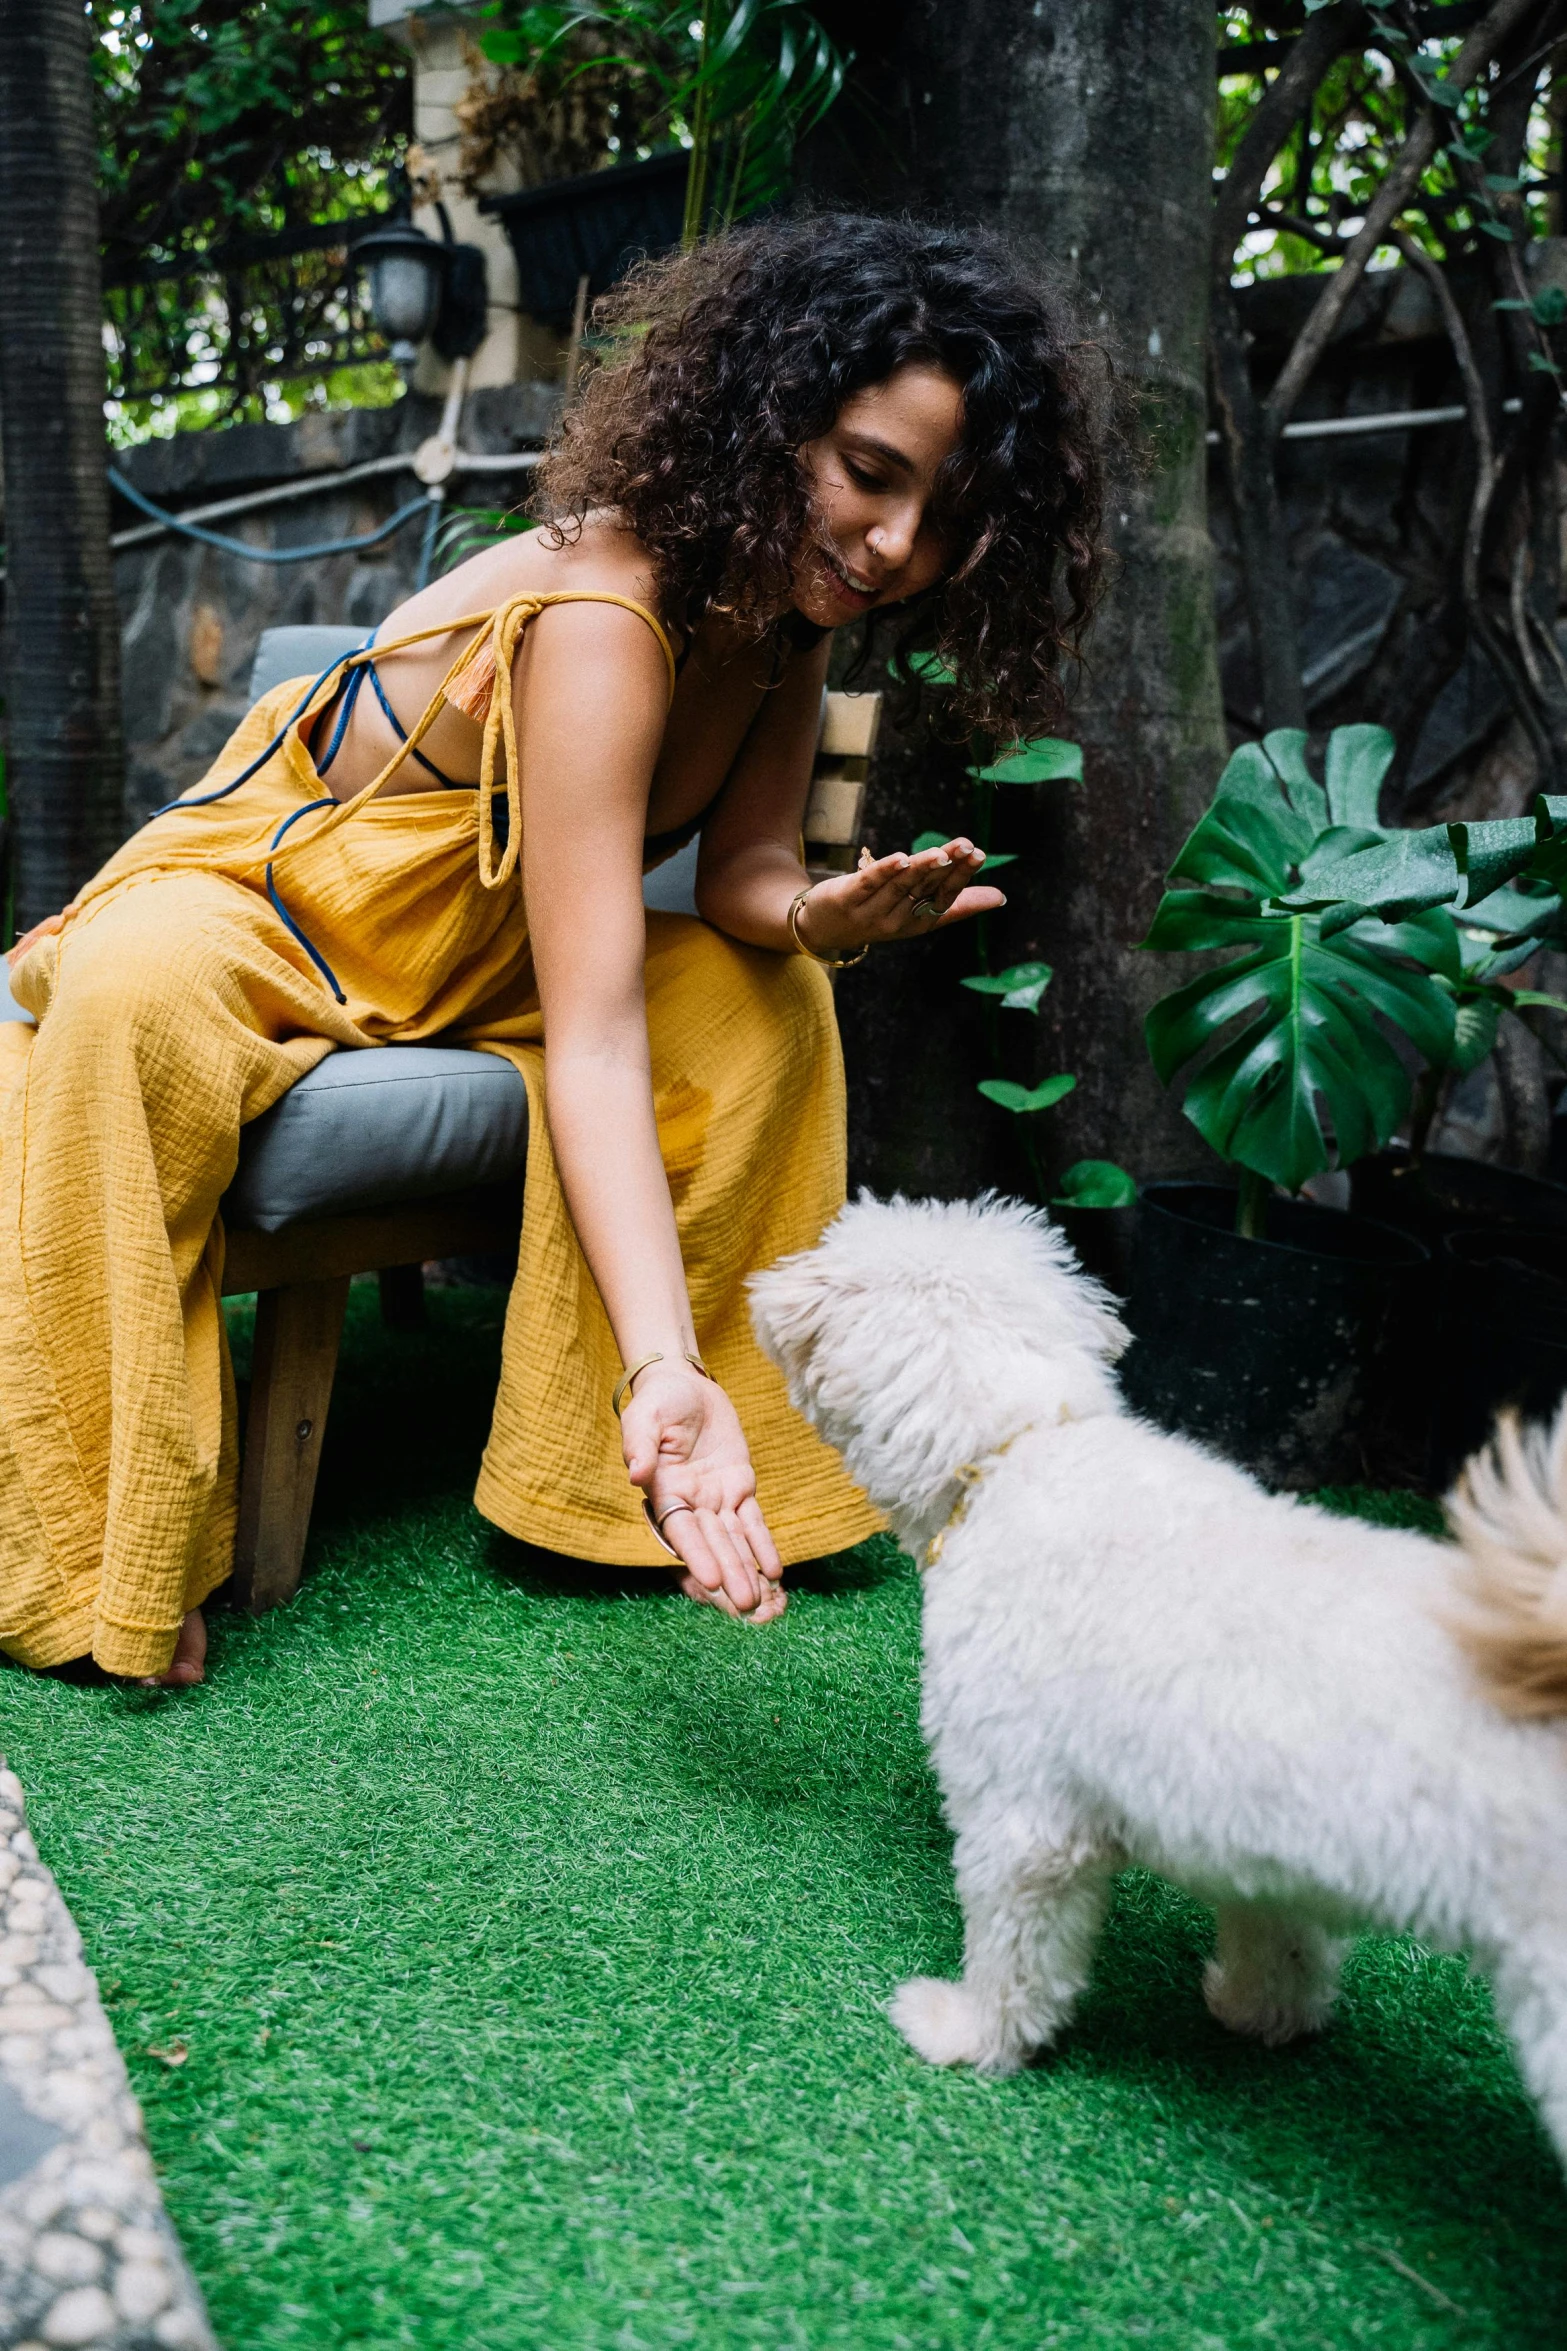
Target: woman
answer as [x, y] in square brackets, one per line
[800, 425]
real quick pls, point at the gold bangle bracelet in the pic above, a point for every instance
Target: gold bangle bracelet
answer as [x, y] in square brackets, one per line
[623, 1384]
[832, 962]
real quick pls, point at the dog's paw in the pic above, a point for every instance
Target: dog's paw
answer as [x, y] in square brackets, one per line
[1272, 2012]
[940, 2021]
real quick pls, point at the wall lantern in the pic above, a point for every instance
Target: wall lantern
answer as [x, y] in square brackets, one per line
[421, 291]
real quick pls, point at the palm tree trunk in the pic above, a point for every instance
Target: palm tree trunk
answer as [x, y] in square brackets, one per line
[62, 643]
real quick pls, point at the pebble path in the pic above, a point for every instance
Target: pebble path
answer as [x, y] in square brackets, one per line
[88, 2259]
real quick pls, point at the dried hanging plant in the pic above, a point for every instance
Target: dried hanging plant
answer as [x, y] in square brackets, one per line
[569, 111]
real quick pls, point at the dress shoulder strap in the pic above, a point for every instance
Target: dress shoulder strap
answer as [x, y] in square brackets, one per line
[474, 672]
[494, 642]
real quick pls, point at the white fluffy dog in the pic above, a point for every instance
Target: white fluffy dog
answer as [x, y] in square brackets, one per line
[1133, 1654]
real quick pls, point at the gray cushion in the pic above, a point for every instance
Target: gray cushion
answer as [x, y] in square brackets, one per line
[9, 1007]
[671, 887]
[298, 653]
[393, 1122]
[396, 1122]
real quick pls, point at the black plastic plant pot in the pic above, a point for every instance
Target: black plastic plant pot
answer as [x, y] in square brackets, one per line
[590, 227]
[1283, 1352]
[1504, 1336]
[1443, 1194]
[1104, 1240]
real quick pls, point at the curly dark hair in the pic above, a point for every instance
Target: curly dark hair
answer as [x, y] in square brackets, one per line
[725, 361]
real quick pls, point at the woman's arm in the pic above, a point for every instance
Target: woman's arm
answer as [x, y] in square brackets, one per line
[749, 872]
[591, 690]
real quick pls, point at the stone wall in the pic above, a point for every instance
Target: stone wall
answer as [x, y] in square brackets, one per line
[193, 615]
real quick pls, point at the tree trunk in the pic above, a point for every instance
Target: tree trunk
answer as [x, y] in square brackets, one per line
[1087, 125]
[62, 641]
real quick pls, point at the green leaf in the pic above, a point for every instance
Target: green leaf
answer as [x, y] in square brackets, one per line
[1539, 365]
[997, 859]
[1358, 759]
[1020, 986]
[1549, 306]
[1285, 749]
[1267, 812]
[1020, 1099]
[1311, 1036]
[1549, 864]
[1474, 1033]
[1336, 930]
[1429, 939]
[929, 841]
[1511, 908]
[1338, 842]
[1241, 846]
[929, 667]
[1186, 921]
[1441, 93]
[1408, 871]
[1035, 763]
[1492, 853]
[1095, 1183]
[1534, 996]
[1507, 182]
[1495, 228]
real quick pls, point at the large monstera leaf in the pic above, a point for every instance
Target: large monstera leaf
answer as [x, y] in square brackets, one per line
[1505, 876]
[1300, 1014]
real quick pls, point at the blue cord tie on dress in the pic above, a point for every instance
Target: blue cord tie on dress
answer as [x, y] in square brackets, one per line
[314, 952]
[362, 670]
[401, 732]
[499, 806]
[276, 744]
[206, 799]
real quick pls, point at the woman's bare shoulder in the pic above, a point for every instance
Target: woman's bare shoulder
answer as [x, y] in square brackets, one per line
[598, 556]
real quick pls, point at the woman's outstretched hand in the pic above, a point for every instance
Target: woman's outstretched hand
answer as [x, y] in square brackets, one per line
[899, 897]
[684, 1447]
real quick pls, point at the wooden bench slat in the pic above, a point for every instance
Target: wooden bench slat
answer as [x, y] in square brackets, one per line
[454, 1224]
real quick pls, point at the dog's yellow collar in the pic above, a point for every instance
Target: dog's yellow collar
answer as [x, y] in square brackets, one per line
[970, 1475]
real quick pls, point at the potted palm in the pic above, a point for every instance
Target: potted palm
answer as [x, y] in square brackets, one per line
[1270, 1325]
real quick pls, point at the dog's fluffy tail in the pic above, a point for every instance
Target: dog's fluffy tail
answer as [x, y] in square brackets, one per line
[1509, 1511]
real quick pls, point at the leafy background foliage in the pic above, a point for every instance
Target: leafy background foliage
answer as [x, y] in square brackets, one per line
[229, 119]
[738, 84]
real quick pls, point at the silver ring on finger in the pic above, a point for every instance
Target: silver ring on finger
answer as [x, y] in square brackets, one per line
[927, 908]
[656, 1524]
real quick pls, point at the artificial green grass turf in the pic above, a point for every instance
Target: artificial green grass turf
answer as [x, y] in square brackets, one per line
[529, 1938]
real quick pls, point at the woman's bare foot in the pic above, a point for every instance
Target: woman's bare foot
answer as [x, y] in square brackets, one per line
[189, 1662]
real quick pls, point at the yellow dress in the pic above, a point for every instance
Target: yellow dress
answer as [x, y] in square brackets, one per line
[178, 1003]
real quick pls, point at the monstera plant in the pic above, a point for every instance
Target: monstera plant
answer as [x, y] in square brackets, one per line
[1501, 881]
[1284, 1049]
